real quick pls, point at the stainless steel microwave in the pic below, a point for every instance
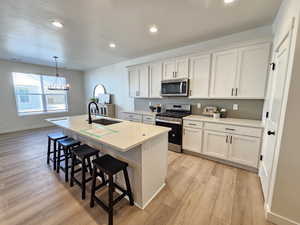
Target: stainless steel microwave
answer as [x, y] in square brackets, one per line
[178, 87]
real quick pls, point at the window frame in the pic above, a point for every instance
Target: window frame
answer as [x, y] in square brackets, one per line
[43, 97]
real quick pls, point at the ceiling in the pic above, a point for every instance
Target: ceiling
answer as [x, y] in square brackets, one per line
[26, 33]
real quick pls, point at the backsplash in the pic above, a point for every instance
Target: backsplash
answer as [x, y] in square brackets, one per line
[248, 109]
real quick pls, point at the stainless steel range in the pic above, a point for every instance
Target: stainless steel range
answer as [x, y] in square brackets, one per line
[172, 118]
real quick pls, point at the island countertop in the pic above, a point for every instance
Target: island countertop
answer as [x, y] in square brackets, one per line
[121, 136]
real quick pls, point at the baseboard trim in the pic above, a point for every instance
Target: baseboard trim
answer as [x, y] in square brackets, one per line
[279, 220]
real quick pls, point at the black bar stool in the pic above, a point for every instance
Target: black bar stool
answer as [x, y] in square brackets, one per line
[110, 166]
[82, 155]
[65, 145]
[53, 137]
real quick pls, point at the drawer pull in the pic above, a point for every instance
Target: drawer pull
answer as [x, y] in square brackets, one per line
[192, 124]
[230, 129]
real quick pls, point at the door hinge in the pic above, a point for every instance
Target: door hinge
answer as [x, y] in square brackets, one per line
[261, 157]
[267, 115]
[273, 66]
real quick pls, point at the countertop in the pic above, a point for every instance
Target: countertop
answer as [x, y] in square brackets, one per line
[121, 136]
[229, 121]
[142, 112]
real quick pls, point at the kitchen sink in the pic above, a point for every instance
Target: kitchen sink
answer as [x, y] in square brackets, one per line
[106, 122]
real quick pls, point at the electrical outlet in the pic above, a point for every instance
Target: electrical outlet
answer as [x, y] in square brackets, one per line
[150, 103]
[199, 105]
[235, 107]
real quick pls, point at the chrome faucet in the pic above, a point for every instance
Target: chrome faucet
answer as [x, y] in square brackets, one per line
[89, 110]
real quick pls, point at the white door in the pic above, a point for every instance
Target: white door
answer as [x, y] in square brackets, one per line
[244, 150]
[272, 123]
[253, 71]
[199, 76]
[169, 69]
[224, 71]
[192, 139]
[216, 144]
[144, 82]
[155, 70]
[182, 68]
[133, 76]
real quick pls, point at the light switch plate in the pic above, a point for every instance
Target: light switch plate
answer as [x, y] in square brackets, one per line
[199, 105]
[235, 107]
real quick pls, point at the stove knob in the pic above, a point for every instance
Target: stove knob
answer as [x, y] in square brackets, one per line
[173, 135]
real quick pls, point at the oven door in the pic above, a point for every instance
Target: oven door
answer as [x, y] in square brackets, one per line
[175, 135]
[174, 88]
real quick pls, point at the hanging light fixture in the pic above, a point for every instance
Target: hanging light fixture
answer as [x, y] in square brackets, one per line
[58, 84]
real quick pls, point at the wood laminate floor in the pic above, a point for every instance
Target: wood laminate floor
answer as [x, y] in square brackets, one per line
[198, 191]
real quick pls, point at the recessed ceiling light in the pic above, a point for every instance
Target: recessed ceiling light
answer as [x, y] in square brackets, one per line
[57, 24]
[112, 45]
[228, 1]
[153, 29]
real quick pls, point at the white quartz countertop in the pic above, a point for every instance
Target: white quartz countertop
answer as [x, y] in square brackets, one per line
[230, 121]
[121, 136]
[142, 112]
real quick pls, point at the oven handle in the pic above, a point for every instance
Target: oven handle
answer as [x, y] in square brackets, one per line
[167, 121]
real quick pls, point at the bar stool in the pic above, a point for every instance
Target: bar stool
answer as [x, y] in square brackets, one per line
[110, 166]
[53, 137]
[82, 155]
[65, 145]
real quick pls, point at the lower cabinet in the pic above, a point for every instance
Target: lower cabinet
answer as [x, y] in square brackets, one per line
[216, 144]
[192, 139]
[244, 150]
[235, 148]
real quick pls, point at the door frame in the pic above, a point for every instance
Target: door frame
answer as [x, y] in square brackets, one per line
[288, 36]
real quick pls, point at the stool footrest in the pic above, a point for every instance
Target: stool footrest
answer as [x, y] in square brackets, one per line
[101, 204]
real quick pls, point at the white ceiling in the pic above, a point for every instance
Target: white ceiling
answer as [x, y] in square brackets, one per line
[26, 32]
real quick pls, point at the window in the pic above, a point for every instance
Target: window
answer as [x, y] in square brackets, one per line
[33, 96]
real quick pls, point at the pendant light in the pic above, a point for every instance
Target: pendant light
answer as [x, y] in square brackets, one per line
[58, 84]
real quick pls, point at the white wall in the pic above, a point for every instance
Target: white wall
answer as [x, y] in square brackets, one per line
[285, 201]
[9, 119]
[115, 77]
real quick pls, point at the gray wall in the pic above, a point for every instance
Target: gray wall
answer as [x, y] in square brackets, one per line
[248, 109]
[10, 120]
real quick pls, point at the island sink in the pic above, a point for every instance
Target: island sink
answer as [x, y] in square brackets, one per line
[105, 122]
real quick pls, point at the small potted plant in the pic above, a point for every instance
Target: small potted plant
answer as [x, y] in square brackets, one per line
[217, 114]
[94, 100]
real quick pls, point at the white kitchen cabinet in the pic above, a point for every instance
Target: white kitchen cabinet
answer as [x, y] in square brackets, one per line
[176, 68]
[192, 139]
[144, 81]
[224, 71]
[139, 81]
[240, 73]
[244, 150]
[215, 144]
[155, 77]
[134, 82]
[252, 71]
[199, 76]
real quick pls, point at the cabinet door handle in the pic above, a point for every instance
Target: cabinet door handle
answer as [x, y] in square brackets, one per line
[226, 138]
[230, 139]
[236, 92]
[175, 74]
[230, 129]
[232, 90]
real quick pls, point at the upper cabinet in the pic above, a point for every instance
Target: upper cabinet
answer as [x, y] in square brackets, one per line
[253, 71]
[240, 73]
[139, 81]
[176, 68]
[155, 77]
[199, 76]
[224, 71]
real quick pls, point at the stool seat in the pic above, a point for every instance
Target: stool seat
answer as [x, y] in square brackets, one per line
[57, 136]
[68, 142]
[84, 151]
[109, 164]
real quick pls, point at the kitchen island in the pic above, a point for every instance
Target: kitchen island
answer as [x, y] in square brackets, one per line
[144, 147]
